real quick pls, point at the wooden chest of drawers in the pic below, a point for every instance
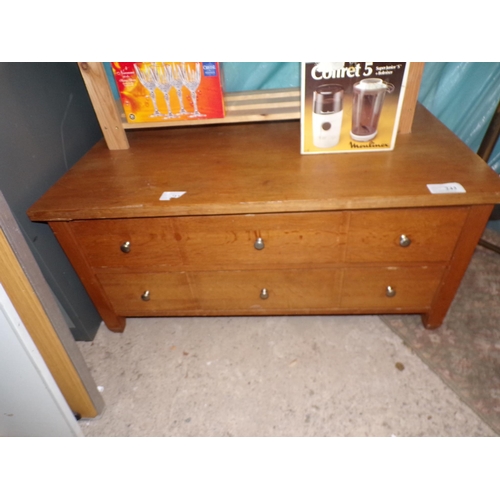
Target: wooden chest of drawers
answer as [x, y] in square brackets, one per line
[264, 230]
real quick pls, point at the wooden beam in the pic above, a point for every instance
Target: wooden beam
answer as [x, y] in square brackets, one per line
[411, 97]
[96, 80]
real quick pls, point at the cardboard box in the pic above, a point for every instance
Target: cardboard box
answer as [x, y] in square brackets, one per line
[351, 107]
[169, 91]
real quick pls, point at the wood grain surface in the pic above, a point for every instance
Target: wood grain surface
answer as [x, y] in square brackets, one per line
[257, 168]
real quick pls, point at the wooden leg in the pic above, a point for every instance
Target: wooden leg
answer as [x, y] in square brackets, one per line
[431, 321]
[471, 233]
[116, 324]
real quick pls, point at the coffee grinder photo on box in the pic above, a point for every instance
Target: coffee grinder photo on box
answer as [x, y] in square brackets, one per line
[351, 106]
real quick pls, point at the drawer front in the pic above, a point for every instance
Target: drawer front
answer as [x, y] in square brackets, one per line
[214, 242]
[140, 294]
[404, 235]
[225, 291]
[254, 291]
[262, 241]
[390, 288]
[128, 243]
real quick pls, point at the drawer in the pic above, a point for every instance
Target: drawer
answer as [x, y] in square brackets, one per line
[262, 241]
[165, 292]
[225, 292]
[390, 288]
[404, 235]
[128, 243]
[214, 242]
[253, 291]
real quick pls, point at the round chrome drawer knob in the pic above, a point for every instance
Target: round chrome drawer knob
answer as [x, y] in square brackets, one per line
[146, 296]
[125, 247]
[264, 294]
[259, 244]
[390, 292]
[404, 241]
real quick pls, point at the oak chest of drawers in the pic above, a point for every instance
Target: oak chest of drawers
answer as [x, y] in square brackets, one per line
[261, 229]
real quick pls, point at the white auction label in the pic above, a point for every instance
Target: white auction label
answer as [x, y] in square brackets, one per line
[448, 188]
[168, 195]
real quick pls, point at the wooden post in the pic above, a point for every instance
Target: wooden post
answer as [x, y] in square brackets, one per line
[411, 96]
[96, 80]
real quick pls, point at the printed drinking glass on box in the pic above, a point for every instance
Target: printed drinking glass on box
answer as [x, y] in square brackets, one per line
[351, 106]
[169, 91]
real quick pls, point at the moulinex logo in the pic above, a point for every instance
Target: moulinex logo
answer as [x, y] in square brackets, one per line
[370, 144]
[209, 69]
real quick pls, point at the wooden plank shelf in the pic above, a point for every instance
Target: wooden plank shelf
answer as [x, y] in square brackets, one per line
[253, 106]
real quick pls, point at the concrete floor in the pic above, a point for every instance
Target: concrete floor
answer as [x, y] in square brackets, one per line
[268, 376]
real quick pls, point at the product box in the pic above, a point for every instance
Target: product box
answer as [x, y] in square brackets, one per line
[351, 107]
[169, 91]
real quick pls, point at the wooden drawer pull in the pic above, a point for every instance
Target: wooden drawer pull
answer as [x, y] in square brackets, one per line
[264, 294]
[125, 247]
[145, 296]
[259, 244]
[404, 241]
[390, 292]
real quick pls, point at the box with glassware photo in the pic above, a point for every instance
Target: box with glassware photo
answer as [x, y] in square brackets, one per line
[169, 91]
[351, 107]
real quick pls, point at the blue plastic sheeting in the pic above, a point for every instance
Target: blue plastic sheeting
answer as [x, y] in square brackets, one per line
[241, 76]
[463, 96]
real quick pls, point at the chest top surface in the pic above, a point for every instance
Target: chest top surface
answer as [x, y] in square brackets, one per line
[258, 168]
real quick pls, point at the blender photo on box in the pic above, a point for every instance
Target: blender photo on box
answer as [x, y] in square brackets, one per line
[351, 107]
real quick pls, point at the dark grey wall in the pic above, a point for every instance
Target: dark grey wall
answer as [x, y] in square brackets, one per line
[47, 124]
